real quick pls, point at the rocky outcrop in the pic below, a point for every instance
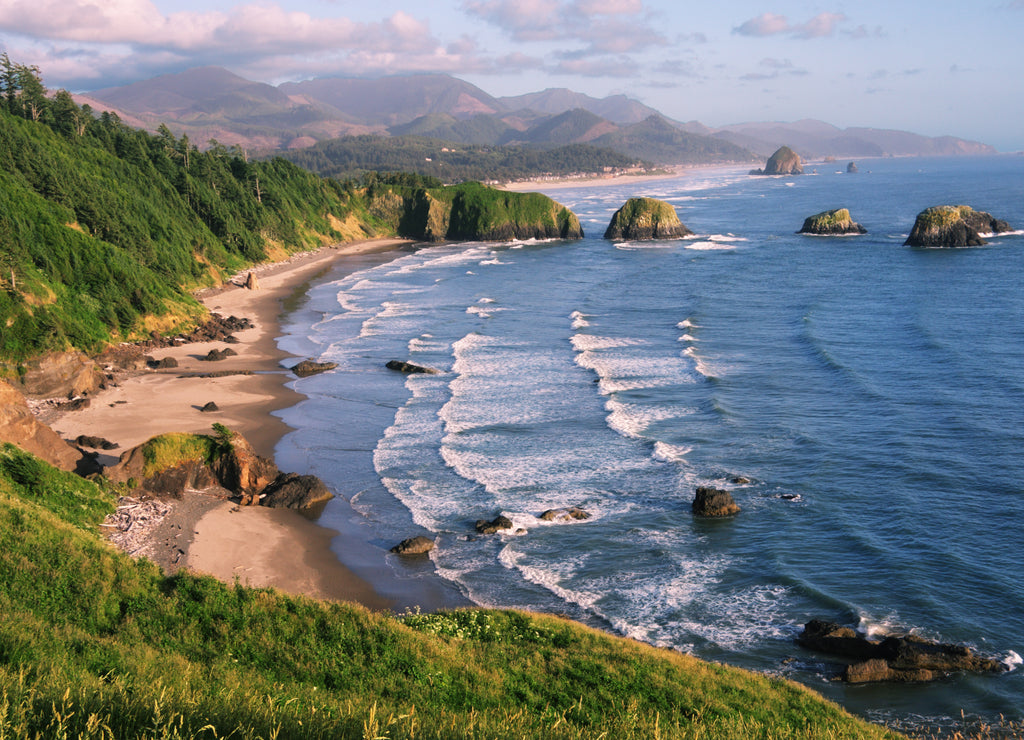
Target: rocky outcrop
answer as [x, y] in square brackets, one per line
[231, 469]
[251, 282]
[498, 524]
[209, 407]
[894, 658]
[96, 443]
[713, 502]
[308, 367]
[471, 211]
[18, 426]
[646, 218]
[784, 162]
[852, 168]
[59, 374]
[414, 546]
[295, 491]
[216, 355]
[407, 367]
[832, 223]
[953, 226]
[165, 363]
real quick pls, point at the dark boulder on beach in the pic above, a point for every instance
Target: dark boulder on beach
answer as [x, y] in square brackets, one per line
[96, 443]
[162, 364]
[208, 407]
[836, 222]
[646, 218]
[713, 502]
[407, 367]
[498, 524]
[414, 546]
[307, 367]
[295, 491]
[894, 658]
[216, 355]
[954, 226]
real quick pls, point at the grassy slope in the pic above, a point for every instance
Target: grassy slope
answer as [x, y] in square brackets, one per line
[95, 644]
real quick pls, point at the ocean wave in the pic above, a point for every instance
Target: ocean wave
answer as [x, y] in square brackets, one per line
[708, 246]
[579, 320]
[671, 453]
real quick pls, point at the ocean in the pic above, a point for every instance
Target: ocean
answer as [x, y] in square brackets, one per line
[862, 401]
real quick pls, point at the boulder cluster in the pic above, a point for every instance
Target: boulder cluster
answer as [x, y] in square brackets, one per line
[894, 658]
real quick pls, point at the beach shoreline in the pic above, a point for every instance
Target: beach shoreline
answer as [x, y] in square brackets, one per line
[211, 535]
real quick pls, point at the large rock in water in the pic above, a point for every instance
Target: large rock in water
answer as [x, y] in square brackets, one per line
[832, 223]
[646, 218]
[713, 502]
[953, 226]
[895, 658]
[784, 162]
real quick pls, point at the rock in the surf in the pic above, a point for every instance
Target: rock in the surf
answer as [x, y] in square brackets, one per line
[713, 502]
[836, 222]
[419, 545]
[498, 524]
[407, 367]
[953, 226]
[646, 218]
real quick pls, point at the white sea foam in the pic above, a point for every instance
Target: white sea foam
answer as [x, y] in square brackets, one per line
[670, 453]
[579, 320]
[701, 365]
[590, 342]
[1013, 661]
[633, 419]
[686, 324]
[708, 246]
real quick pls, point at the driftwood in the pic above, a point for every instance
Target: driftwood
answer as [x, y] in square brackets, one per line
[133, 523]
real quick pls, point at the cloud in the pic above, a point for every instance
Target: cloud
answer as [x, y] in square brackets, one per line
[602, 26]
[770, 24]
[776, 68]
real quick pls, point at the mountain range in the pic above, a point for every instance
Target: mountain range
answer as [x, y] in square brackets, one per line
[213, 103]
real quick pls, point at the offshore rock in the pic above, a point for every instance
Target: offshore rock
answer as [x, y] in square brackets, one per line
[564, 515]
[713, 502]
[407, 367]
[497, 524]
[852, 168]
[414, 546]
[832, 223]
[894, 658]
[784, 162]
[307, 367]
[953, 226]
[646, 218]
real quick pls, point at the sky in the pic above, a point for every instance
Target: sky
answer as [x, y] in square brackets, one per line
[935, 68]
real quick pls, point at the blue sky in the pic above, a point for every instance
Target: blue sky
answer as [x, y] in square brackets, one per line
[934, 68]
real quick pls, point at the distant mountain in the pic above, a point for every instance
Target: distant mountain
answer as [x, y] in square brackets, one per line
[395, 100]
[213, 103]
[659, 140]
[616, 108]
[813, 139]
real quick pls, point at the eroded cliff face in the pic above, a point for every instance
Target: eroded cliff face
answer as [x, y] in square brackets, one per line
[646, 218]
[18, 426]
[954, 226]
[59, 374]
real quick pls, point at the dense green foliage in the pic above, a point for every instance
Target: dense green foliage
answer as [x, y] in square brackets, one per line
[350, 156]
[94, 644]
[103, 226]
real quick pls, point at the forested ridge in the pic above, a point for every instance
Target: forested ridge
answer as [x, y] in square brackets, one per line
[105, 230]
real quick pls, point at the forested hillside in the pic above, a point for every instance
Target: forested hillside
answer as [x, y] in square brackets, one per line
[106, 229]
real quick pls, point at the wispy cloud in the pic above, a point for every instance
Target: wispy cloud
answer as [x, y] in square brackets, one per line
[770, 24]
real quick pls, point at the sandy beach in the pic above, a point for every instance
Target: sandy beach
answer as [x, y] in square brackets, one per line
[211, 535]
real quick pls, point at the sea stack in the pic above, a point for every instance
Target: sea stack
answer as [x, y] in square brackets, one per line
[784, 162]
[836, 222]
[646, 218]
[953, 226]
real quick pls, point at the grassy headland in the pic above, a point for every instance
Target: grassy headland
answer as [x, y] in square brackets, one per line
[95, 644]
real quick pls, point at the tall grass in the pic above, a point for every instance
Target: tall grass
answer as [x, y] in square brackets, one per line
[96, 645]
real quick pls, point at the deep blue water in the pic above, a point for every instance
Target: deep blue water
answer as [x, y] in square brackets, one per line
[873, 395]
